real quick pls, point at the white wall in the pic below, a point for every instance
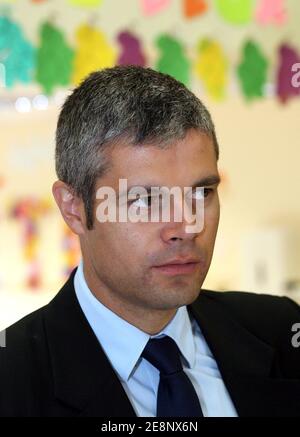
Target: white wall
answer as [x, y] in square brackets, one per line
[259, 156]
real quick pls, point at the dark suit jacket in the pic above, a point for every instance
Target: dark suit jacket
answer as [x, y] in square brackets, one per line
[53, 364]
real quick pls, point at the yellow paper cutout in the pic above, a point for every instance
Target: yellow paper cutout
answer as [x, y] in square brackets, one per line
[212, 68]
[93, 52]
[85, 3]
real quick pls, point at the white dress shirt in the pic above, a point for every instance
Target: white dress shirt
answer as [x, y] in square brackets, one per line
[123, 344]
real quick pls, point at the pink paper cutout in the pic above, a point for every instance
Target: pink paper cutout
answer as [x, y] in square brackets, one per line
[152, 7]
[271, 12]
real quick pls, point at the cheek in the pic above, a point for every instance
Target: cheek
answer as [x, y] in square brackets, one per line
[128, 240]
[212, 216]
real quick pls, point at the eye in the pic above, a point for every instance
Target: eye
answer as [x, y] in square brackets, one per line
[208, 191]
[205, 192]
[141, 202]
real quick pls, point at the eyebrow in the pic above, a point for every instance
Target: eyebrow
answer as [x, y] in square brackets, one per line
[203, 182]
[208, 180]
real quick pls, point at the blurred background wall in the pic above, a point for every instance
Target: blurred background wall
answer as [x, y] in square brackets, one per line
[237, 56]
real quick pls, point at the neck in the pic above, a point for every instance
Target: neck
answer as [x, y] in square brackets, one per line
[150, 321]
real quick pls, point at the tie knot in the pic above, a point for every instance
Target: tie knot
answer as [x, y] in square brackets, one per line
[163, 353]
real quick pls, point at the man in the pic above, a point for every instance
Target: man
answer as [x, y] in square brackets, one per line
[131, 333]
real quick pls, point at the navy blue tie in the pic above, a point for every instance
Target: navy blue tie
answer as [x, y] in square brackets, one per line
[176, 395]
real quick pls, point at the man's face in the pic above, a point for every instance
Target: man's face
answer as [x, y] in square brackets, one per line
[124, 255]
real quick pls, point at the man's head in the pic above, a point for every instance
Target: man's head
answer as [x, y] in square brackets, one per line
[136, 124]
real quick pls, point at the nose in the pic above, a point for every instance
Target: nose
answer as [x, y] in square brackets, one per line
[184, 229]
[177, 231]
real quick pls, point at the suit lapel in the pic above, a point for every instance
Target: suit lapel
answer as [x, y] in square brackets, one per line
[85, 380]
[246, 364]
[83, 377]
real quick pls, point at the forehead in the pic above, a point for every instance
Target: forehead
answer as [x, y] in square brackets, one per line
[183, 161]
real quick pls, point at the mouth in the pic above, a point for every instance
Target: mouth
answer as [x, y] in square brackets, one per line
[178, 269]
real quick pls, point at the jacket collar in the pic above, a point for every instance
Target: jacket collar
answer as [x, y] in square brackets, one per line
[83, 376]
[85, 380]
[246, 363]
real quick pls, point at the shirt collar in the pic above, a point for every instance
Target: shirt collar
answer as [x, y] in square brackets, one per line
[113, 332]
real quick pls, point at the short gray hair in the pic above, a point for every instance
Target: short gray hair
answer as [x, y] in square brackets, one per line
[139, 105]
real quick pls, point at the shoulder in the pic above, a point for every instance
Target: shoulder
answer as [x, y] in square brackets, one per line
[265, 315]
[25, 329]
[26, 374]
[30, 330]
[22, 363]
[245, 302]
[23, 342]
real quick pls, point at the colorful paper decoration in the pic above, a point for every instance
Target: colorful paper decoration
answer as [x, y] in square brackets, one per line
[93, 52]
[131, 52]
[173, 59]
[16, 53]
[28, 211]
[71, 250]
[236, 11]
[212, 68]
[194, 8]
[271, 11]
[54, 59]
[85, 3]
[252, 71]
[285, 88]
[152, 7]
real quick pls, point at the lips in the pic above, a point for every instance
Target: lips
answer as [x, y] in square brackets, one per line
[179, 261]
[178, 268]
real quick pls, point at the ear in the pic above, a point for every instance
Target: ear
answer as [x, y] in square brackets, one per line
[71, 207]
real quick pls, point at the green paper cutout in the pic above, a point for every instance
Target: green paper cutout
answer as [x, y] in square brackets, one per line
[236, 11]
[173, 60]
[54, 59]
[252, 71]
[16, 53]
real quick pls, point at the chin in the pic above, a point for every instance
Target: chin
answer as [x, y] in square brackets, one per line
[178, 299]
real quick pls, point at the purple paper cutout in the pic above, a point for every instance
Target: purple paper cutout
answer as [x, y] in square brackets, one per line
[285, 88]
[131, 52]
